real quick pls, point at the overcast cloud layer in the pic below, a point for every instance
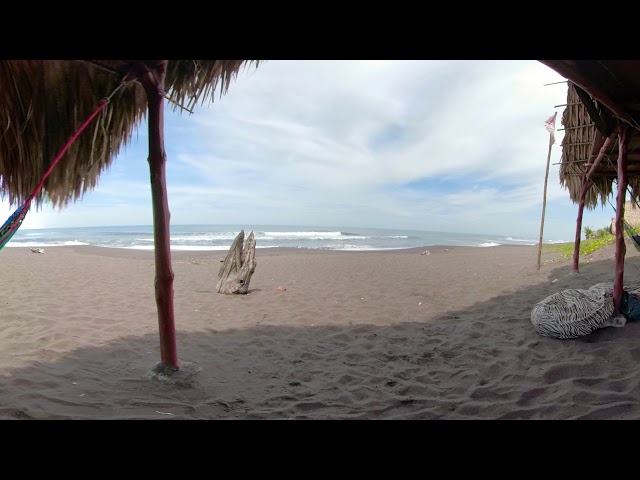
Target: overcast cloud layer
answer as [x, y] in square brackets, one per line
[455, 146]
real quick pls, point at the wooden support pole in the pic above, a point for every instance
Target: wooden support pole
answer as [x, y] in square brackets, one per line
[618, 280]
[586, 185]
[544, 200]
[152, 77]
[601, 154]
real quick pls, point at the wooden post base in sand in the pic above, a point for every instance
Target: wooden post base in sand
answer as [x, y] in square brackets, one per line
[235, 273]
[182, 377]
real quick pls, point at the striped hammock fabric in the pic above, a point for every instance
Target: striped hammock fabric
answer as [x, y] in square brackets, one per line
[635, 239]
[11, 226]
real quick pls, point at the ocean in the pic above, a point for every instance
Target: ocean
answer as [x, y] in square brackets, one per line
[219, 237]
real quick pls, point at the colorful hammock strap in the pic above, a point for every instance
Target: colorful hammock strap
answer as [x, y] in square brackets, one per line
[103, 103]
[66, 146]
[11, 226]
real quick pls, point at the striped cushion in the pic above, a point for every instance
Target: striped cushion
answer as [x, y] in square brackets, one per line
[573, 313]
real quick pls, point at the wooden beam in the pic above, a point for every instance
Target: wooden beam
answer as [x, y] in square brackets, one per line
[121, 74]
[601, 154]
[603, 126]
[587, 161]
[586, 125]
[606, 174]
[613, 172]
[598, 141]
[103, 67]
[567, 104]
[632, 104]
[570, 70]
[576, 143]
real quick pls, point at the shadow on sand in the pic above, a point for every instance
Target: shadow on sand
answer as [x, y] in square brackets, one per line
[483, 362]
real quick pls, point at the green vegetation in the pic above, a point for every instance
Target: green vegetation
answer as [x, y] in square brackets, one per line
[588, 232]
[586, 246]
[595, 240]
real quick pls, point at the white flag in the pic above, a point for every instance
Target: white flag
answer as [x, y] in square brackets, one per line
[550, 125]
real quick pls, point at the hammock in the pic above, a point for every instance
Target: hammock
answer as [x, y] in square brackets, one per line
[635, 239]
[12, 224]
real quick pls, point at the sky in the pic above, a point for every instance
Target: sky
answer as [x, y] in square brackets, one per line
[450, 146]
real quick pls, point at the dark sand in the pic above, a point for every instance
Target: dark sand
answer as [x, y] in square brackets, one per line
[356, 335]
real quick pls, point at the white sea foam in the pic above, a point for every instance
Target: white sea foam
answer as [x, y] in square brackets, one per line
[356, 248]
[204, 237]
[192, 248]
[314, 235]
[213, 238]
[180, 247]
[524, 240]
[67, 243]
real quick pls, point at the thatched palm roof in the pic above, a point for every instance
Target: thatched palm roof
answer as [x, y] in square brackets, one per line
[43, 102]
[599, 93]
[609, 92]
[42, 105]
[581, 145]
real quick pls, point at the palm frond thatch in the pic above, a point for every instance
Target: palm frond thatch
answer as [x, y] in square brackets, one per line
[43, 102]
[580, 147]
[576, 151]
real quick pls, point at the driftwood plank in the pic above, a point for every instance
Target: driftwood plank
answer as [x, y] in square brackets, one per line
[238, 266]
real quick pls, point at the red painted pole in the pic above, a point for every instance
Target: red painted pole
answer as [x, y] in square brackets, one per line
[586, 185]
[621, 248]
[153, 83]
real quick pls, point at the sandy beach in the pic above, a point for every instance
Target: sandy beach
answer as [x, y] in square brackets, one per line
[356, 335]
